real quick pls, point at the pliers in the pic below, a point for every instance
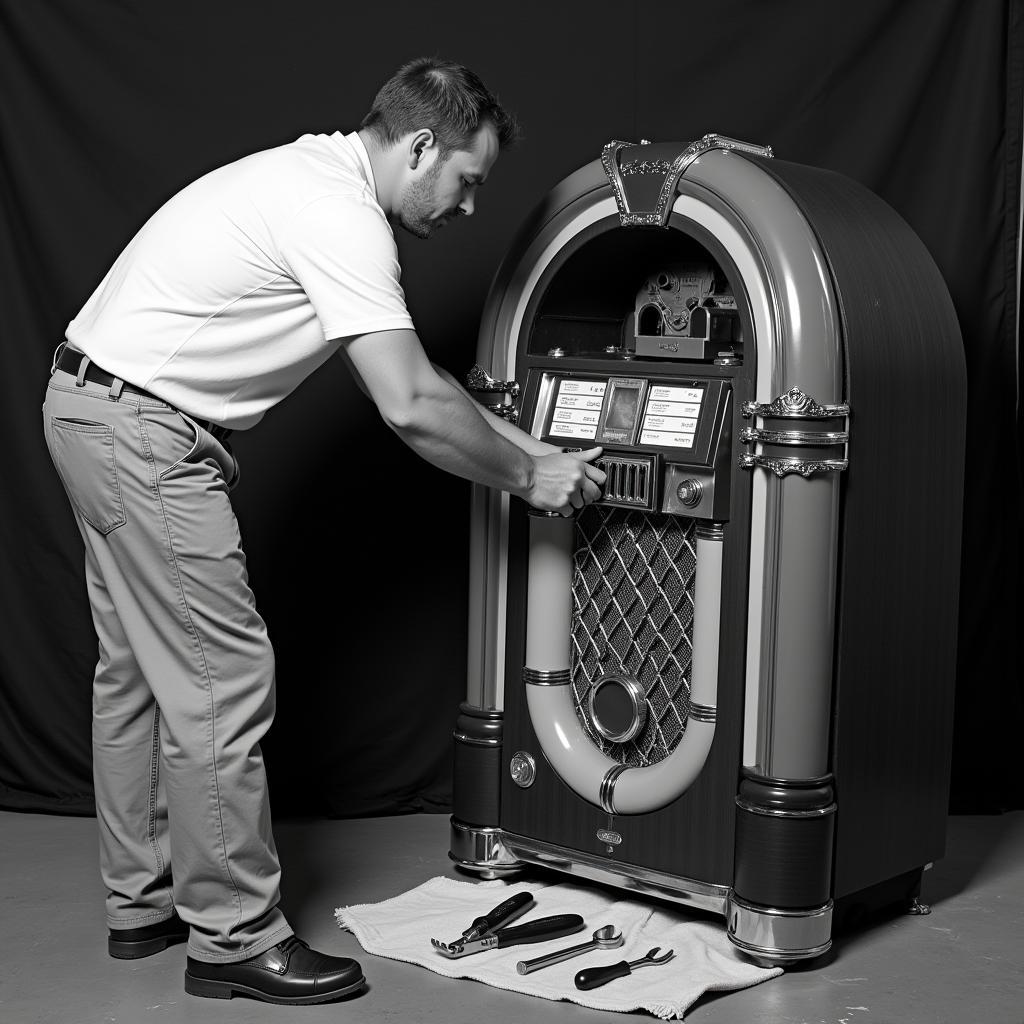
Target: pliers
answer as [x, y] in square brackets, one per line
[487, 932]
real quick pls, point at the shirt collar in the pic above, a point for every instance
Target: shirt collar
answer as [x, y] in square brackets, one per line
[356, 143]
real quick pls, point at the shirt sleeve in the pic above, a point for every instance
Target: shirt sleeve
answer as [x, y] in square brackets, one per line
[341, 251]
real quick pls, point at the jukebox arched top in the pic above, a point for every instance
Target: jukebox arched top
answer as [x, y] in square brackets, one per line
[739, 240]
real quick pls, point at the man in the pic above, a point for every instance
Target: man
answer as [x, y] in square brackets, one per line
[229, 296]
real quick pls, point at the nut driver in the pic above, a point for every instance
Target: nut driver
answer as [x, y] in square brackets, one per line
[541, 930]
[608, 937]
[592, 977]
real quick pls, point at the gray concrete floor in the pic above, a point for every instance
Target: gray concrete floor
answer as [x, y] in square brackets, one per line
[963, 963]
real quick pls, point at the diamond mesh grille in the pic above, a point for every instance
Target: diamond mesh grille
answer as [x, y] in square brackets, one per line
[632, 597]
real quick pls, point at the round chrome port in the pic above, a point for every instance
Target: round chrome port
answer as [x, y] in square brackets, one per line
[618, 708]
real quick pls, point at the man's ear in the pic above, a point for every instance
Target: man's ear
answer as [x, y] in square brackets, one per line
[421, 144]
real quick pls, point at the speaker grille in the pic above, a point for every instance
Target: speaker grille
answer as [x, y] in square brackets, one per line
[633, 613]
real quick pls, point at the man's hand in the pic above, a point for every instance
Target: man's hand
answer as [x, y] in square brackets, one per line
[563, 482]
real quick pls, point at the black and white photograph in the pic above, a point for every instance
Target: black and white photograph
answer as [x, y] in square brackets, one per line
[514, 513]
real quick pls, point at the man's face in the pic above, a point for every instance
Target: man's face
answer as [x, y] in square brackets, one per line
[447, 187]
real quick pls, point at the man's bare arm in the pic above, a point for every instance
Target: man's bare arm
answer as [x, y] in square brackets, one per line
[442, 424]
[519, 437]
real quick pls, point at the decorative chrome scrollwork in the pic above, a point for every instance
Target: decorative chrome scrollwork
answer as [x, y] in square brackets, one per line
[805, 467]
[794, 404]
[646, 167]
[478, 379]
[658, 217]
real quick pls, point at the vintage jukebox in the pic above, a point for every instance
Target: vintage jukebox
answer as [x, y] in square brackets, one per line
[729, 682]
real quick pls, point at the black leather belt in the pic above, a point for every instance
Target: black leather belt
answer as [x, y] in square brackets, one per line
[70, 362]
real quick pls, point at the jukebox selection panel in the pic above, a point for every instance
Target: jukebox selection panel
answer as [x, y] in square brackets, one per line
[585, 408]
[664, 439]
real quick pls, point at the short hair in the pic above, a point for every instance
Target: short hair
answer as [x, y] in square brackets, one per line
[440, 95]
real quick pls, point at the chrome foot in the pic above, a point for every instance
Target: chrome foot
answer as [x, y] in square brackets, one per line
[481, 851]
[779, 938]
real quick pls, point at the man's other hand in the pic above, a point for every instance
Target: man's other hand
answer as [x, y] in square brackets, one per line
[564, 482]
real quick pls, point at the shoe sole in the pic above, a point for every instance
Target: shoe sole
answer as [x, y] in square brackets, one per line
[136, 950]
[229, 989]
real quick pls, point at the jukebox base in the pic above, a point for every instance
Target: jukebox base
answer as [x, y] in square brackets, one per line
[768, 936]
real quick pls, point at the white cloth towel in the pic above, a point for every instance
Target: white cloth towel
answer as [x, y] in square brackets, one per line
[401, 929]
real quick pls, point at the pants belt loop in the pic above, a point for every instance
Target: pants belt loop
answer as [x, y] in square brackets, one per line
[82, 367]
[57, 353]
[115, 388]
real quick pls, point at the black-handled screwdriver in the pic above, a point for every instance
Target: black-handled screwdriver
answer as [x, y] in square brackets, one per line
[592, 977]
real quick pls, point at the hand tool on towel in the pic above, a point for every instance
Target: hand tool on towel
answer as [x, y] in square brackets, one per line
[592, 977]
[504, 913]
[608, 937]
[541, 930]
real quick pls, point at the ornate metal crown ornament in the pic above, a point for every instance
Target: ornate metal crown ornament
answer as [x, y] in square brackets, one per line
[670, 170]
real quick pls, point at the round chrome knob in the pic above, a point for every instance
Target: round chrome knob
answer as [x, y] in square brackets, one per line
[523, 769]
[689, 492]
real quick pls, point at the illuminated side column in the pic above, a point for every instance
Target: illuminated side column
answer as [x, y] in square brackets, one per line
[549, 598]
[475, 843]
[781, 909]
[476, 840]
[547, 671]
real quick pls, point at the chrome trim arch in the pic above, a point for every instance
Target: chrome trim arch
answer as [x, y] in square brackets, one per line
[580, 201]
[796, 332]
[794, 517]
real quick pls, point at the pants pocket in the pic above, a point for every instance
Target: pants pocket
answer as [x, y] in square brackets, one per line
[194, 442]
[83, 454]
[206, 445]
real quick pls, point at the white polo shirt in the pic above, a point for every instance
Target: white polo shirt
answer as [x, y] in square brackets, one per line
[243, 283]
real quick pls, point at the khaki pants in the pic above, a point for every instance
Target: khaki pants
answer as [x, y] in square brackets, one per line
[184, 685]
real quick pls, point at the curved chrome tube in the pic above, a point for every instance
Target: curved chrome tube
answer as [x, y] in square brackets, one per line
[615, 787]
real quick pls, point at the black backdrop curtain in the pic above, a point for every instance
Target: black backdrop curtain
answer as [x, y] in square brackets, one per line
[357, 550]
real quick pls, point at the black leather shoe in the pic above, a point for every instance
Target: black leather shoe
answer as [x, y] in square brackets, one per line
[132, 943]
[289, 972]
